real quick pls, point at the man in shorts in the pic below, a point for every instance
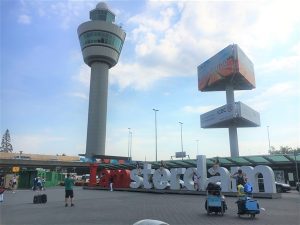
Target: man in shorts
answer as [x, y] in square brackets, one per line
[69, 182]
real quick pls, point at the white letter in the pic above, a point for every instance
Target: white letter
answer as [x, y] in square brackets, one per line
[188, 179]
[135, 176]
[224, 178]
[201, 172]
[175, 178]
[147, 173]
[252, 175]
[161, 178]
[269, 178]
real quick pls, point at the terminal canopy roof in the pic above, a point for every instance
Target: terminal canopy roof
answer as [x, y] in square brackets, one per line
[270, 160]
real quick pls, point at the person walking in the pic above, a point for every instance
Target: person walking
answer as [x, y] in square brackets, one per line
[2, 181]
[196, 181]
[14, 183]
[39, 184]
[111, 182]
[1, 193]
[240, 177]
[69, 182]
[162, 166]
[43, 183]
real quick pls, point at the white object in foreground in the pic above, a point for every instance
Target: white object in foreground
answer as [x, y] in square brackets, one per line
[150, 222]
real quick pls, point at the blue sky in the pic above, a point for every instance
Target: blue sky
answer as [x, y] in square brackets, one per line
[45, 84]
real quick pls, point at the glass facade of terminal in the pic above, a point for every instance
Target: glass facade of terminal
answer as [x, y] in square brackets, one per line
[100, 38]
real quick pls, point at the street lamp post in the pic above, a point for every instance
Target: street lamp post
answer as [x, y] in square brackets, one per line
[130, 149]
[269, 138]
[128, 152]
[181, 139]
[297, 175]
[155, 110]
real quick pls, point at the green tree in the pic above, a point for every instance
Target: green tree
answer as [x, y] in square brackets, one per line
[5, 143]
[284, 150]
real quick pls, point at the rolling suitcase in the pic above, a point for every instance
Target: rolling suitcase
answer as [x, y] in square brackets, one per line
[43, 198]
[40, 198]
[37, 199]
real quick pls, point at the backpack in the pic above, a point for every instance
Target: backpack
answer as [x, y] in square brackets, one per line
[248, 188]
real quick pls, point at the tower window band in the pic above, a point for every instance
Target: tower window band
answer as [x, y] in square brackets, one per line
[100, 38]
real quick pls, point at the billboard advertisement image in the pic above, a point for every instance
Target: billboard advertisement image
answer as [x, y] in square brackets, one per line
[229, 66]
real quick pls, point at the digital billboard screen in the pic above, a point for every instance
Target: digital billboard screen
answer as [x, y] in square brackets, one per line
[229, 66]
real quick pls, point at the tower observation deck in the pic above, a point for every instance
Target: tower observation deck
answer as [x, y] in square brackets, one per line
[101, 42]
[228, 70]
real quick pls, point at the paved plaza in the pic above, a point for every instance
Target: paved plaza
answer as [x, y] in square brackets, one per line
[120, 207]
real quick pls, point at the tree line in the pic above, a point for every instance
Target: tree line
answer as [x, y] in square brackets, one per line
[284, 150]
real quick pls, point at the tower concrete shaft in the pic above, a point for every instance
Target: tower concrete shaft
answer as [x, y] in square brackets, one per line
[96, 131]
[101, 44]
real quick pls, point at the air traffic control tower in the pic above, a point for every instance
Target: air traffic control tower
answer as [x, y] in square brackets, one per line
[228, 70]
[101, 42]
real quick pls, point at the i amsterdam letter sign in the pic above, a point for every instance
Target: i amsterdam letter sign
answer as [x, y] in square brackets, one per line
[163, 178]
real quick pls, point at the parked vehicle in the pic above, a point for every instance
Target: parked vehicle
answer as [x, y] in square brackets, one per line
[280, 187]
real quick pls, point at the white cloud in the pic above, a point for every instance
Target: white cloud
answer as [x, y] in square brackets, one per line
[24, 19]
[274, 93]
[288, 64]
[66, 11]
[172, 38]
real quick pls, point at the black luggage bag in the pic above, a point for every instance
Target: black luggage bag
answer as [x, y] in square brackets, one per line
[40, 198]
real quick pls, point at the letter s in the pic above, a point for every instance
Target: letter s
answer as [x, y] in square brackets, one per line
[135, 177]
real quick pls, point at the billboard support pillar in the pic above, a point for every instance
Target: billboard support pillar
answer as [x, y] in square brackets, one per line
[234, 146]
[229, 94]
[233, 139]
[228, 70]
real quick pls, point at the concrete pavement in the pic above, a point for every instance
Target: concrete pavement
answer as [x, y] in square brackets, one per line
[119, 207]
